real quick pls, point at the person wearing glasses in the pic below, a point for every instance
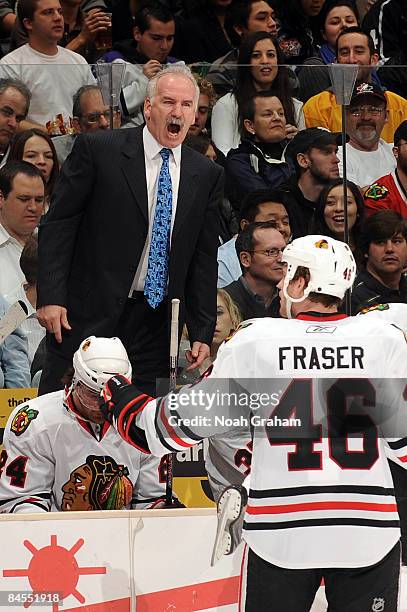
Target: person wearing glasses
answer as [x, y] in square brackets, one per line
[353, 46]
[368, 155]
[259, 248]
[90, 114]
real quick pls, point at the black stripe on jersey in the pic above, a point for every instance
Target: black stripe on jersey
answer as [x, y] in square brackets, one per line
[31, 503]
[355, 489]
[398, 444]
[328, 522]
[184, 428]
[12, 499]
[157, 423]
[150, 500]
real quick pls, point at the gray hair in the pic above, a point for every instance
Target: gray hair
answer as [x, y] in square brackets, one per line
[19, 86]
[172, 69]
[77, 109]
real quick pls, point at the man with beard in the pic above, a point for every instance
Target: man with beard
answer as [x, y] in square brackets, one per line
[390, 191]
[314, 154]
[353, 46]
[368, 155]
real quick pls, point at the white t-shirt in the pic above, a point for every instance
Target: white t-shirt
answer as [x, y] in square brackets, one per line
[11, 274]
[365, 167]
[52, 79]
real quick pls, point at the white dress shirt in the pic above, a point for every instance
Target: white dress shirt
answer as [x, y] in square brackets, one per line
[153, 161]
[11, 274]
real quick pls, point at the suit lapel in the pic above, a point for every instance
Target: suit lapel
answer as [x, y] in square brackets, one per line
[134, 170]
[187, 188]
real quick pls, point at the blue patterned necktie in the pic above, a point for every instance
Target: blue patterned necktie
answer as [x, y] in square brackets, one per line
[155, 285]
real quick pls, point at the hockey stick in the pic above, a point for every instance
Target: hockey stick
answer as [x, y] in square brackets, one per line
[173, 384]
[16, 314]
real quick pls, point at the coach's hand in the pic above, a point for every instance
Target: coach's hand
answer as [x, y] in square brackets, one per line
[197, 355]
[53, 318]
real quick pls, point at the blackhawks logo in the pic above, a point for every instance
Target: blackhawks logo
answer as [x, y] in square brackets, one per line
[376, 192]
[22, 419]
[242, 325]
[379, 307]
[322, 244]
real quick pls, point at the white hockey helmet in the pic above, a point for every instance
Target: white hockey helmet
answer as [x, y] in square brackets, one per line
[330, 262]
[98, 359]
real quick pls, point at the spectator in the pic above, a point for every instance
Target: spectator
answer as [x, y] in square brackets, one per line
[386, 23]
[390, 191]
[368, 156]
[314, 153]
[335, 16]
[259, 248]
[205, 104]
[27, 293]
[204, 37]
[22, 195]
[259, 69]
[90, 114]
[76, 267]
[14, 365]
[329, 218]
[14, 105]
[38, 62]
[384, 247]
[37, 148]
[82, 29]
[296, 19]
[257, 163]
[353, 46]
[262, 205]
[87, 7]
[144, 55]
[246, 17]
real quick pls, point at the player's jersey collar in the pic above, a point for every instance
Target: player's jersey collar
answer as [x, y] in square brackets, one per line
[317, 316]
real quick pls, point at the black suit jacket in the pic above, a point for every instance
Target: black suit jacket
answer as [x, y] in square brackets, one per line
[92, 238]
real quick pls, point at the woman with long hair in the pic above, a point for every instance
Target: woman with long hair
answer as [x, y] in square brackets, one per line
[37, 148]
[259, 69]
[329, 217]
[335, 16]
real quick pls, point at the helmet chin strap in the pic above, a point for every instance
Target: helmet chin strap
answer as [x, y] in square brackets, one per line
[290, 300]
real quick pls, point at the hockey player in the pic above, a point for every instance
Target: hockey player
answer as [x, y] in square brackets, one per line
[321, 501]
[60, 454]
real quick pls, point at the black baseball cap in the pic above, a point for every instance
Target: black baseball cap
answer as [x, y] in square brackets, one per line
[311, 138]
[368, 89]
[400, 133]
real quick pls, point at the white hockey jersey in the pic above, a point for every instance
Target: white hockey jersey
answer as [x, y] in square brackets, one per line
[321, 492]
[53, 460]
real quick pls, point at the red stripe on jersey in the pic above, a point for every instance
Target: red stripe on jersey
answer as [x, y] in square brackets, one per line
[322, 505]
[403, 459]
[304, 316]
[124, 427]
[170, 430]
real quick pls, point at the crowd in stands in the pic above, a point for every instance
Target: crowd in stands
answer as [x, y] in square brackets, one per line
[267, 113]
